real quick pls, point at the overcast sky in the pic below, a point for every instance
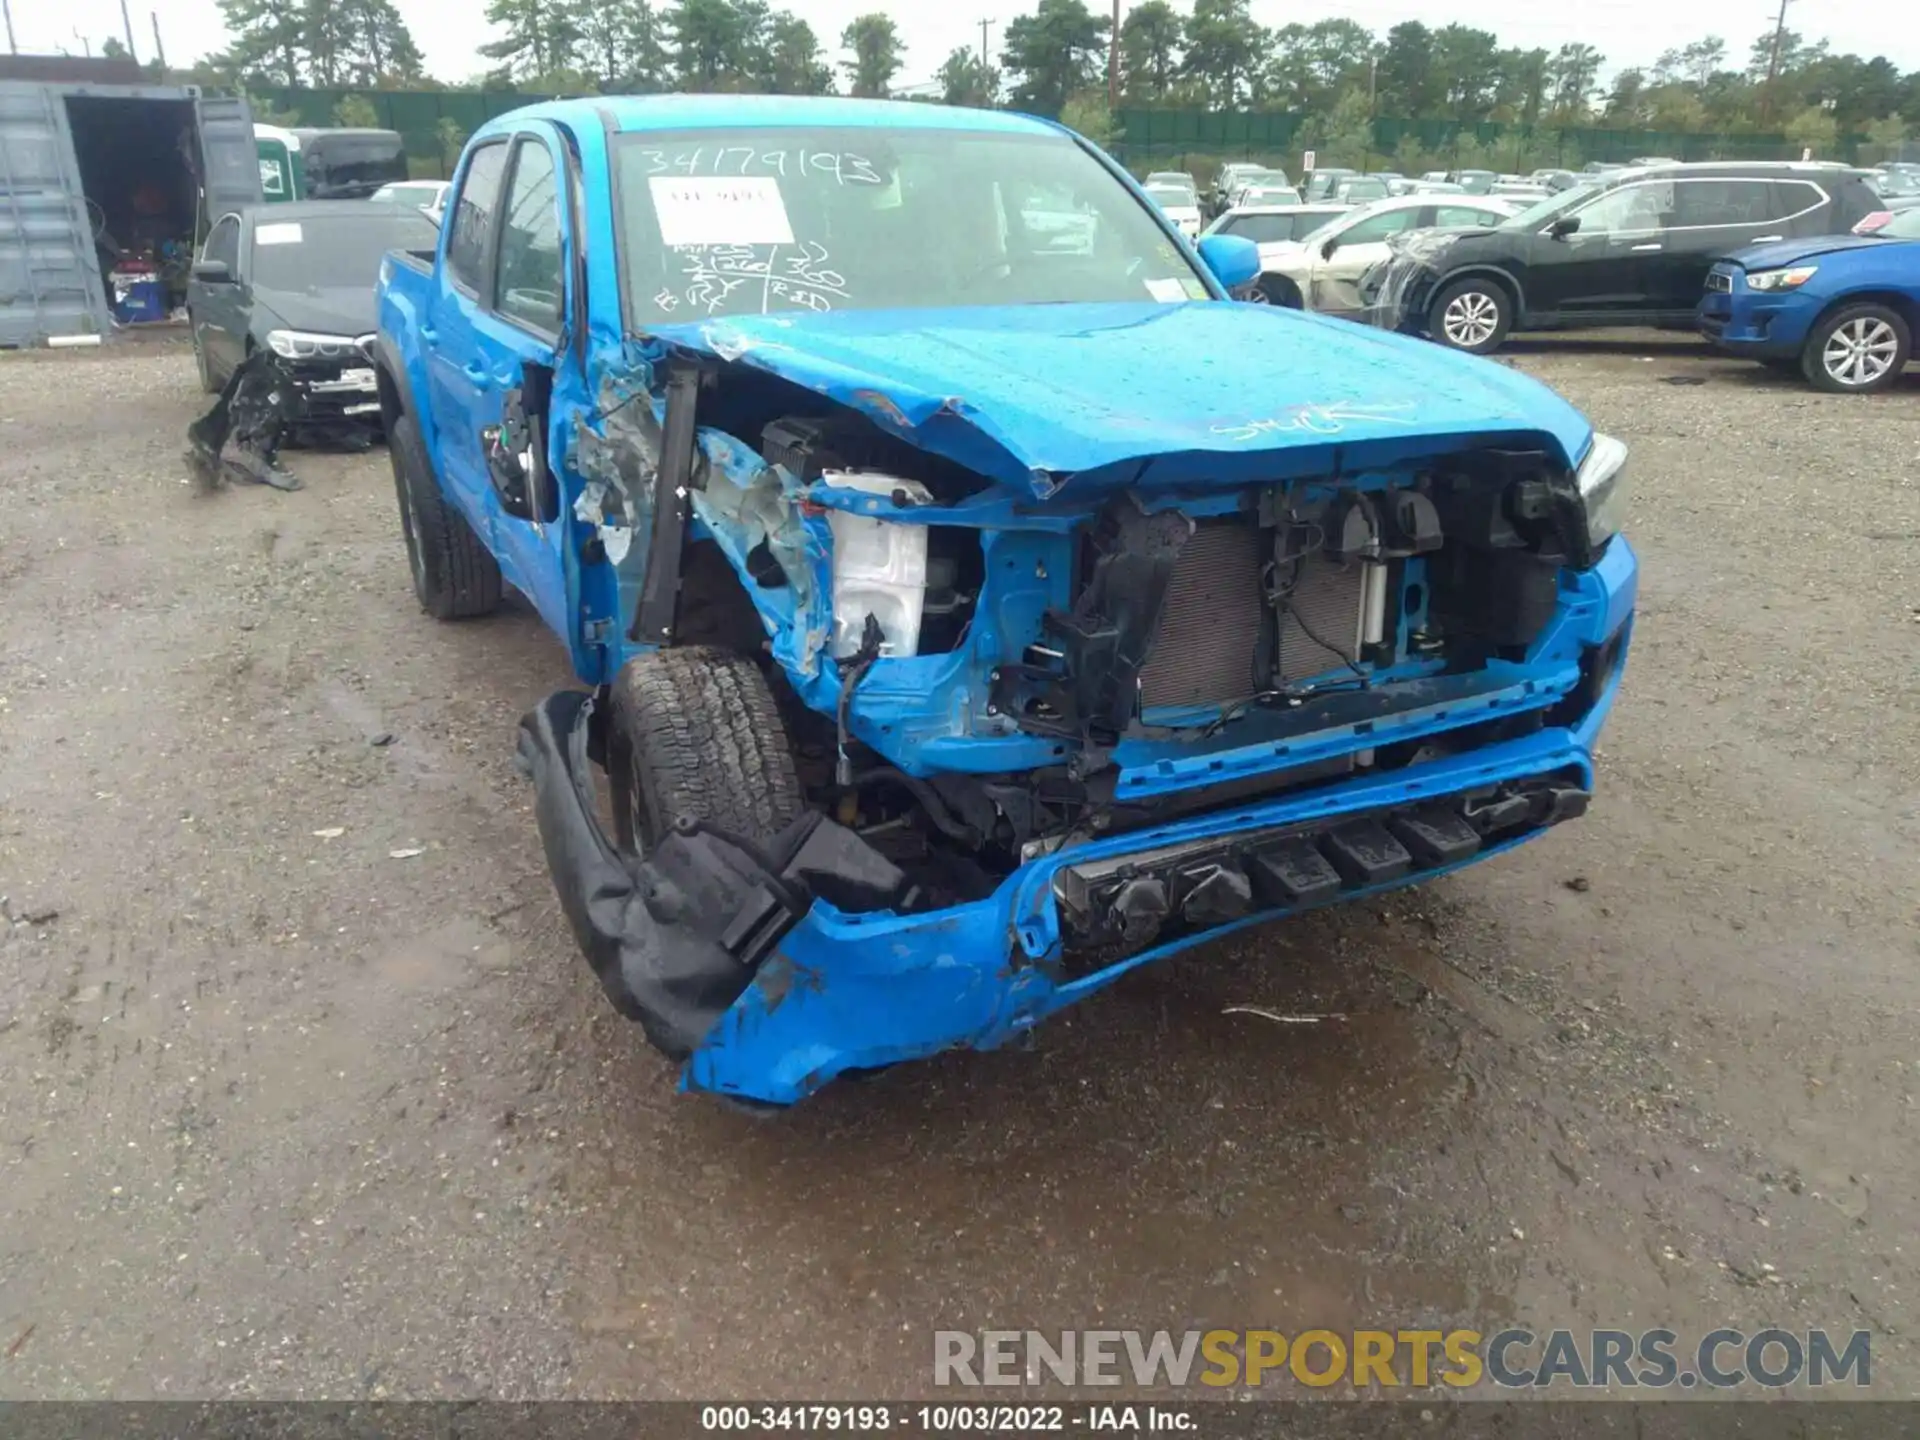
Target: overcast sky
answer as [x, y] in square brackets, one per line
[1628, 32]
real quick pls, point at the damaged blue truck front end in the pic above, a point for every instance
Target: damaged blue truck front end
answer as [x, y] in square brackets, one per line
[974, 614]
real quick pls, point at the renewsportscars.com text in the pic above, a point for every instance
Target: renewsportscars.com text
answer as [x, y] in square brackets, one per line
[1383, 1359]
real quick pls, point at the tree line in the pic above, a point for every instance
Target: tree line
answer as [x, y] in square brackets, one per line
[1054, 59]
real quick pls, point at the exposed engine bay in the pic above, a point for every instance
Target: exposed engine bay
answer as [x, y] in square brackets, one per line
[1198, 636]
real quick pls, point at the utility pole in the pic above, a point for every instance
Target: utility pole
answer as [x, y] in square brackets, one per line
[5, 6]
[126, 24]
[1113, 61]
[1773, 59]
[985, 25]
[159, 49]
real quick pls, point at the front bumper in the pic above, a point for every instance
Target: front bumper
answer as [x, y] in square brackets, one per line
[734, 959]
[1762, 325]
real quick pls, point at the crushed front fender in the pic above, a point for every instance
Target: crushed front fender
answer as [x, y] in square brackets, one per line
[676, 937]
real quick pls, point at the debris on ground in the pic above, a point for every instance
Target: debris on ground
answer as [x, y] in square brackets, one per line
[1277, 1017]
[240, 437]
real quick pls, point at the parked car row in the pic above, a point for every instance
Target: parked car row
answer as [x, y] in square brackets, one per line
[1804, 266]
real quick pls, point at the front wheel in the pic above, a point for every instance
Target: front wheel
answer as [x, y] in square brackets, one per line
[697, 736]
[1858, 350]
[1472, 315]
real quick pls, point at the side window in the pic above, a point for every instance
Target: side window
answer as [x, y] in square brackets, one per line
[1454, 217]
[1632, 209]
[1793, 198]
[1723, 202]
[1372, 231]
[473, 216]
[223, 243]
[530, 283]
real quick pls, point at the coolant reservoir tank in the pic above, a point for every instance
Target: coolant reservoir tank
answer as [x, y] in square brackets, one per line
[879, 567]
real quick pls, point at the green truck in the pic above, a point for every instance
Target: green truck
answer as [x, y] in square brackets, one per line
[317, 164]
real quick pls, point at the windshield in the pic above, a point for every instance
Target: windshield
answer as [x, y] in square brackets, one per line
[759, 221]
[1545, 208]
[1171, 194]
[335, 251]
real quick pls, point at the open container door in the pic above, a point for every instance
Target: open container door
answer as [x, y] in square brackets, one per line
[229, 157]
[49, 273]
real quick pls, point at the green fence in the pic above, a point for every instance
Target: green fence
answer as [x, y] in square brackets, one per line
[436, 122]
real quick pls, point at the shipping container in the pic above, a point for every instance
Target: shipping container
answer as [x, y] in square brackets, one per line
[99, 181]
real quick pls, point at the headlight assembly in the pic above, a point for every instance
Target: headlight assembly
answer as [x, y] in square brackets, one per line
[1602, 480]
[1790, 279]
[302, 345]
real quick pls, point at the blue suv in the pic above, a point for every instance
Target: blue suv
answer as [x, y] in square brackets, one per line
[1842, 310]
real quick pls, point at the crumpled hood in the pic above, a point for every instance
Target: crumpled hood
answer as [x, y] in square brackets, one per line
[1776, 253]
[1206, 393]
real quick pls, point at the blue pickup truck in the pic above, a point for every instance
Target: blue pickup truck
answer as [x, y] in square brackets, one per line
[967, 617]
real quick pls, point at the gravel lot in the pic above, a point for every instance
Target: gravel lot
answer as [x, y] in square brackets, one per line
[282, 1115]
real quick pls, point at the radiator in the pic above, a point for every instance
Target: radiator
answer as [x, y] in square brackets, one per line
[1207, 652]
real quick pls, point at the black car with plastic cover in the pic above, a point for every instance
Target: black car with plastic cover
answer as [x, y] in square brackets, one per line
[1631, 247]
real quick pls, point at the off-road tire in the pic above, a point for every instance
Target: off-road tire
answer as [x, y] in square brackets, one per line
[1487, 299]
[1884, 328]
[454, 576]
[696, 735]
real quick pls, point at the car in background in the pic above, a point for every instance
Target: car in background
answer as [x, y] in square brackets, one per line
[1640, 162]
[1396, 183]
[1178, 198]
[1436, 187]
[1266, 197]
[429, 195]
[1361, 190]
[1276, 224]
[1840, 309]
[1263, 179]
[1323, 270]
[1320, 184]
[297, 280]
[1523, 190]
[1231, 175]
[1554, 180]
[1475, 182]
[1631, 248]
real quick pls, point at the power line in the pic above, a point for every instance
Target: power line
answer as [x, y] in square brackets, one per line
[1773, 59]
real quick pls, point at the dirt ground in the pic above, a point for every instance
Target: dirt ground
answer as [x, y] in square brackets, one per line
[284, 1115]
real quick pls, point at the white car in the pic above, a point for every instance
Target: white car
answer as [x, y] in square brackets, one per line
[1322, 272]
[1275, 224]
[1179, 202]
[429, 195]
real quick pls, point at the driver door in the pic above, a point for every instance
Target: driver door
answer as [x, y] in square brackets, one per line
[499, 336]
[1612, 264]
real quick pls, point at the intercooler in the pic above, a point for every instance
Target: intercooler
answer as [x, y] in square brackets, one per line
[1208, 650]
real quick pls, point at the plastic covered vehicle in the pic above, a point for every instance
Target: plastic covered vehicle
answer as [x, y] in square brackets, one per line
[965, 621]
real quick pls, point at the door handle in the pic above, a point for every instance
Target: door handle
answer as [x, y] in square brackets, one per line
[1654, 246]
[1762, 239]
[429, 334]
[477, 373]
